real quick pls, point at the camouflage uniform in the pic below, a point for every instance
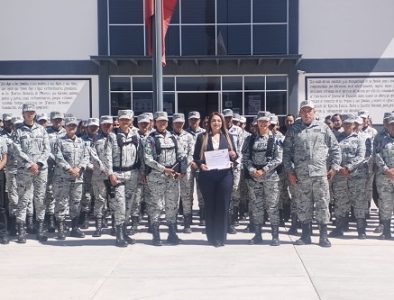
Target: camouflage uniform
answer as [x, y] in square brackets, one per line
[236, 133]
[87, 189]
[3, 216]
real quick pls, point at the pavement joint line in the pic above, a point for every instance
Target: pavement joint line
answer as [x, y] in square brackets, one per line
[99, 284]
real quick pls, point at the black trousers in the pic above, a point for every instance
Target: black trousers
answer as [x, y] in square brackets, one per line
[3, 215]
[216, 187]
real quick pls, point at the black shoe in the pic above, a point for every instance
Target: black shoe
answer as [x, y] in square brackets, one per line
[51, 223]
[172, 239]
[257, 239]
[156, 234]
[323, 240]
[30, 225]
[126, 237]
[99, 228]
[61, 235]
[361, 224]
[386, 230]
[275, 236]
[84, 220]
[187, 221]
[21, 233]
[305, 236]
[120, 241]
[4, 240]
[339, 227]
[40, 232]
[75, 231]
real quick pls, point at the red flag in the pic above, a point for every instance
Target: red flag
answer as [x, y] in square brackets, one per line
[169, 7]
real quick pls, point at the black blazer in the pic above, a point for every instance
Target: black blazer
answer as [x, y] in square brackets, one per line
[222, 145]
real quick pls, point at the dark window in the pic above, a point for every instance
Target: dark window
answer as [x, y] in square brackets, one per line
[127, 40]
[232, 83]
[233, 11]
[232, 101]
[175, 15]
[270, 39]
[198, 83]
[169, 103]
[198, 40]
[277, 102]
[142, 83]
[268, 11]
[120, 101]
[168, 83]
[254, 102]
[276, 83]
[254, 83]
[120, 84]
[234, 40]
[172, 41]
[142, 102]
[126, 11]
[198, 11]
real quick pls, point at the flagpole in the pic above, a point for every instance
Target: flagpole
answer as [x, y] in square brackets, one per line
[157, 58]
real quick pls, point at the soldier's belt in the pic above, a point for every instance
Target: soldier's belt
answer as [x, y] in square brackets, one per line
[124, 169]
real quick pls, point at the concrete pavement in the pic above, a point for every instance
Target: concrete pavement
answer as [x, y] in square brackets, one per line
[93, 268]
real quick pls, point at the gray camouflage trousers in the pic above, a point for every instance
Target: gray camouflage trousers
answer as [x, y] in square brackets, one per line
[236, 196]
[31, 189]
[186, 193]
[125, 194]
[68, 195]
[313, 193]
[142, 195]
[348, 192]
[49, 198]
[87, 190]
[164, 195]
[12, 190]
[194, 183]
[385, 187]
[263, 196]
[100, 195]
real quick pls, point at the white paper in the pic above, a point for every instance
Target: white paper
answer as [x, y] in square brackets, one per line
[217, 159]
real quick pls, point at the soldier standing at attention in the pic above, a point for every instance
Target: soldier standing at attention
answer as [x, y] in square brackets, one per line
[32, 151]
[71, 158]
[308, 146]
[167, 164]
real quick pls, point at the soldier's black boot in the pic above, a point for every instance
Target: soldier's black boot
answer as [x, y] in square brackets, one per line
[202, 216]
[187, 221]
[113, 229]
[30, 225]
[293, 230]
[339, 227]
[61, 234]
[75, 231]
[361, 224]
[323, 240]
[305, 235]
[126, 237]
[51, 223]
[386, 230]
[120, 241]
[150, 229]
[21, 233]
[40, 232]
[156, 234]
[135, 221]
[12, 226]
[257, 239]
[84, 220]
[99, 227]
[275, 235]
[172, 238]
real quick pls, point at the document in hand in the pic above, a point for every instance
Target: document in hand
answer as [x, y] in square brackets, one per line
[217, 159]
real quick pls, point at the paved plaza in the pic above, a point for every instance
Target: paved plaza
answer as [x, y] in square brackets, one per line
[94, 268]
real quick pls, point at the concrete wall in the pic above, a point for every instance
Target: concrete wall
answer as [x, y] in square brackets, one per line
[346, 29]
[48, 29]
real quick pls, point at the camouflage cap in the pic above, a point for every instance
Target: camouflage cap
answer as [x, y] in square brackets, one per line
[143, 118]
[386, 115]
[179, 117]
[93, 122]
[363, 114]
[56, 115]
[359, 120]
[236, 117]
[7, 117]
[274, 119]
[242, 119]
[349, 118]
[42, 116]
[228, 113]
[161, 115]
[264, 116]
[194, 115]
[28, 107]
[307, 103]
[125, 114]
[106, 119]
[150, 115]
[71, 121]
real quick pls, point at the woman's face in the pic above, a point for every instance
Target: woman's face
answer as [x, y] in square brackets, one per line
[216, 123]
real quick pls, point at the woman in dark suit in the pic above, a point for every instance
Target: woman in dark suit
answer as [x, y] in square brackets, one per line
[215, 185]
